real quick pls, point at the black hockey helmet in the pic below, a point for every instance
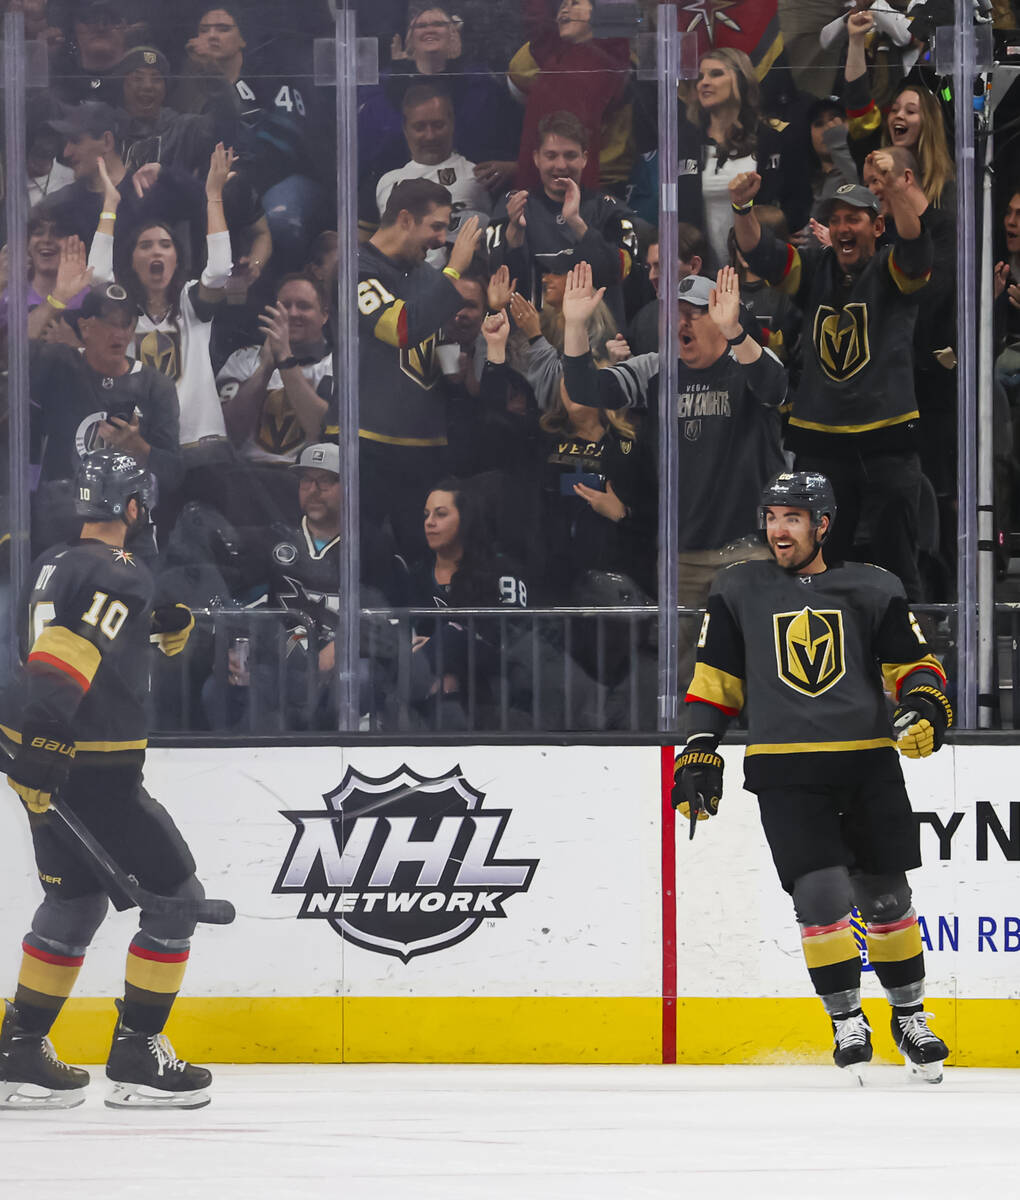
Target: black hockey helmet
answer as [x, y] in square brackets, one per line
[106, 481]
[800, 489]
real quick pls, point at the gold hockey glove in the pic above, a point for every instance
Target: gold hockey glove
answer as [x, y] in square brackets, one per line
[921, 720]
[698, 781]
[171, 627]
[41, 763]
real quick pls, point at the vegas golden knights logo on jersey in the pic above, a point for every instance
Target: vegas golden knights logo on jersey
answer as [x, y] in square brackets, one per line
[162, 350]
[421, 363]
[809, 649]
[842, 340]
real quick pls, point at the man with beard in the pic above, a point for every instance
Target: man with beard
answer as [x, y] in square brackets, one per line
[854, 416]
[561, 224]
[403, 303]
[807, 648]
[729, 389]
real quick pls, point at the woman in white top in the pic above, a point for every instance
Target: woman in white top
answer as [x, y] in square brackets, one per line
[175, 314]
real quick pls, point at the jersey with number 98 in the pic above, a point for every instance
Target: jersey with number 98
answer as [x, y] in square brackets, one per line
[85, 647]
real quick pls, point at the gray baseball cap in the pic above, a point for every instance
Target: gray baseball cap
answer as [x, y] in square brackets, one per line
[323, 456]
[855, 195]
[695, 289]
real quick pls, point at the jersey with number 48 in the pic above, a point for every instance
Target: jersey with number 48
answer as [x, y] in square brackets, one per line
[85, 648]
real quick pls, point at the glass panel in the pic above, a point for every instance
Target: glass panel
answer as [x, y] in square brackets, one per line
[525, 592]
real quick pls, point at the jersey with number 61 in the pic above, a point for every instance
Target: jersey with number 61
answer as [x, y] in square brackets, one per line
[85, 650]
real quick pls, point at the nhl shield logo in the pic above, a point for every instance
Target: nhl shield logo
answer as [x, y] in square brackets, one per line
[809, 649]
[841, 340]
[403, 865]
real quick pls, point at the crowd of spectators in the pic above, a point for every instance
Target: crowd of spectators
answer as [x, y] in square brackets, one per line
[182, 248]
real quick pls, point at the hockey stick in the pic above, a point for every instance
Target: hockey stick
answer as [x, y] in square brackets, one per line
[208, 912]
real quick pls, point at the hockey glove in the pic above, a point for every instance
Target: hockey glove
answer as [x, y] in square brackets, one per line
[171, 627]
[41, 763]
[921, 720]
[698, 779]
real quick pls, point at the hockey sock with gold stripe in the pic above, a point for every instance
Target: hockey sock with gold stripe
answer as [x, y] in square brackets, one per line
[896, 953]
[48, 973]
[833, 962]
[153, 976]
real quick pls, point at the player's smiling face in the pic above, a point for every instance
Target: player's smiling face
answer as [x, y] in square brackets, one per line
[559, 159]
[854, 233]
[790, 534]
[429, 233]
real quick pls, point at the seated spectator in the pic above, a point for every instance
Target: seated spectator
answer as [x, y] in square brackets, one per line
[725, 134]
[565, 68]
[153, 132]
[275, 396]
[96, 37]
[462, 333]
[57, 273]
[288, 153]
[593, 480]
[463, 569]
[174, 325]
[487, 121]
[46, 173]
[430, 133]
[692, 253]
[99, 396]
[561, 223]
[298, 569]
[322, 267]
[914, 120]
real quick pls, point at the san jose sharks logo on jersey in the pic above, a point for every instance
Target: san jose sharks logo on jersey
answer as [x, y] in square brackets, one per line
[810, 653]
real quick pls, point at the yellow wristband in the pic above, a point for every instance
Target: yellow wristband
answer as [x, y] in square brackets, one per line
[451, 272]
[106, 215]
[54, 302]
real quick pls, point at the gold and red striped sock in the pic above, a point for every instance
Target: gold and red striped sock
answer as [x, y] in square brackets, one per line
[47, 975]
[152, 979]
[833, 960]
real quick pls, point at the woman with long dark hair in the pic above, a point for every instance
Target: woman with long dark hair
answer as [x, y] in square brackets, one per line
[463, 569]
[174, 312]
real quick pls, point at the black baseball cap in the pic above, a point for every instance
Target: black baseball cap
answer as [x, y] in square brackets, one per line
[825, 104]
[107, 300]
[88, 11]
[93, 118]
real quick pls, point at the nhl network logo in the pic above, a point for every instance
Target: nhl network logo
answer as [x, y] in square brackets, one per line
[403, 865]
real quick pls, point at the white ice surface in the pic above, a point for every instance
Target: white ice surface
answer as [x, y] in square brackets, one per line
[533, 1133]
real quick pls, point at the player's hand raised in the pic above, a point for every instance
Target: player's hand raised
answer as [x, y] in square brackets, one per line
[464, 246]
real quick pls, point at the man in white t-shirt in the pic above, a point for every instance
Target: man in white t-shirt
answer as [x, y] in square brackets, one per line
[429, 132]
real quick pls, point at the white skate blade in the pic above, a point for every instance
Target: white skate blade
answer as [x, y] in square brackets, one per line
[25, 1096]
[857, 1073]
[924, 1072]
[138, 1095]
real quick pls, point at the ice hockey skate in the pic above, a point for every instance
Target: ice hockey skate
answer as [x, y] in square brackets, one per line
[922, 1050]
[852, 1050]
[146, 1073]
[31, 1074]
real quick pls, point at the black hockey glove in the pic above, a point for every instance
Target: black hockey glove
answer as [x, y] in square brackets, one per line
[921, 720]
[41, 763]
[698, 780]
[171, 627]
